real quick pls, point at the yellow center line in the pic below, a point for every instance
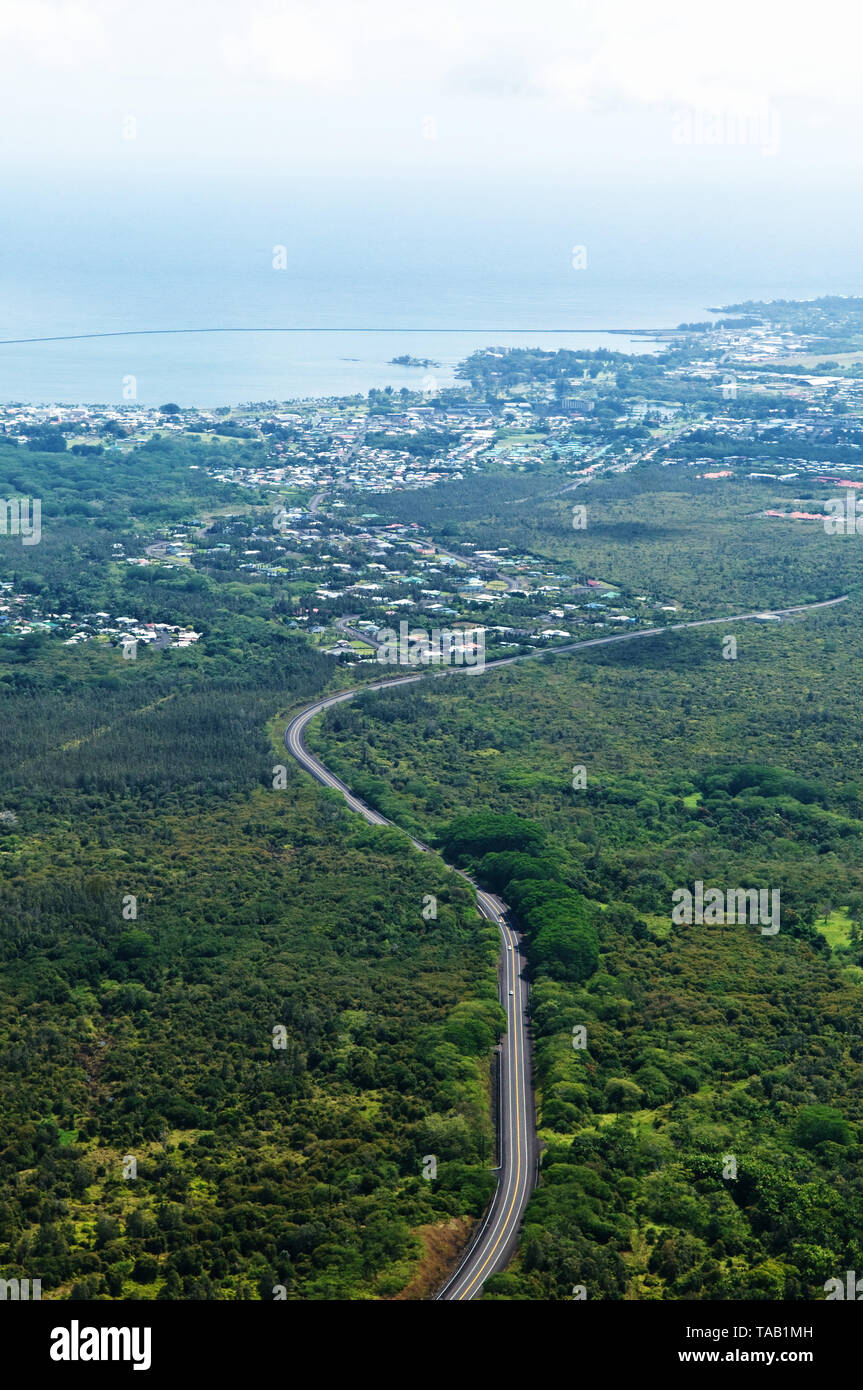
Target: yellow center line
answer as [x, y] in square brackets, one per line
[504, 1228]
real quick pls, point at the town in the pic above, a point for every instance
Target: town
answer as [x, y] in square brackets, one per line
[744, 399]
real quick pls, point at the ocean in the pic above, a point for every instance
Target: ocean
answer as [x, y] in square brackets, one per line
[352, 277]
[230, 368]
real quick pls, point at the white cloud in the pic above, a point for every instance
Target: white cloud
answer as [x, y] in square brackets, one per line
[293, 46]
[736, 54]
[318, 83]
[330, 43]
[624, 53]
[56, 35]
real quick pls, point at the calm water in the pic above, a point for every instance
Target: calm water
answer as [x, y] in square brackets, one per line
[496, 262]
[231, 368]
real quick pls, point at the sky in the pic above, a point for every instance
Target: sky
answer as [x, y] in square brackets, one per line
[372, 87]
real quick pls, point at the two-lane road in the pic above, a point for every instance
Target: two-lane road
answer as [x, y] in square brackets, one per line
[492, 1246]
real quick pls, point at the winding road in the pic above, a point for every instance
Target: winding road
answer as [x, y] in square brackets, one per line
[492, 1245]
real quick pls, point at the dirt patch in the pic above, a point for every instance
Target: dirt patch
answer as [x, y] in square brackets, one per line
[443, 1242]
[91, 1056]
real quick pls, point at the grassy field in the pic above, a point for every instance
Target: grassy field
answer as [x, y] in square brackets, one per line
[837, 927]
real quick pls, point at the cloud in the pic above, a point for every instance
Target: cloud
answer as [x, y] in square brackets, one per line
[55, 35]
[604, 53]
[731, 56]
[326, 83]
[295, 46]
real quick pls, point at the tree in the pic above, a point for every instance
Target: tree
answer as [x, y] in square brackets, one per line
[497, 870]
[485, 831]
[817, 1124]
[47, 440]
[567, 949]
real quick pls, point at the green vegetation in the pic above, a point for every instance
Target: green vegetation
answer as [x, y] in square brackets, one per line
[563, 941]
[164, 910]
[702, 1043]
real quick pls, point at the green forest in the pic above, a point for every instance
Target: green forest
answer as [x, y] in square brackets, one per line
[167, 903]
[263, 1159]
[709, 1049]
